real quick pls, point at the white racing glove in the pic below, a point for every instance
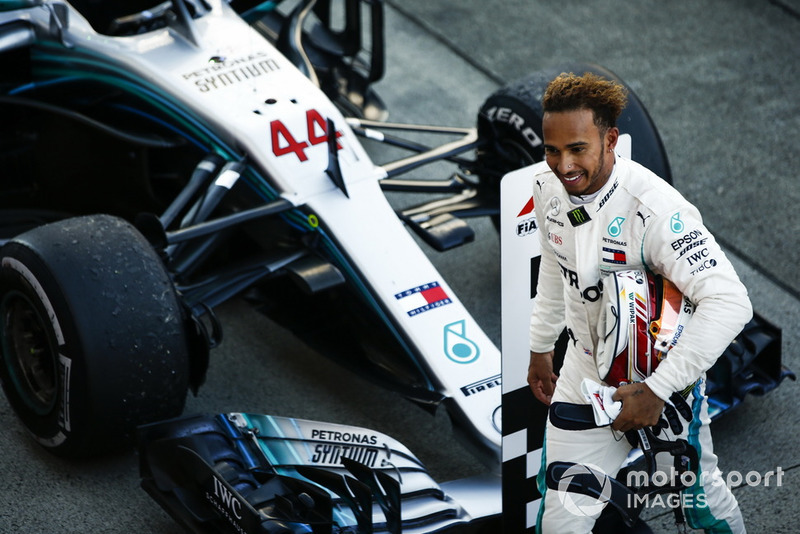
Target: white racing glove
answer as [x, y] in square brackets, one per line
[599, 396]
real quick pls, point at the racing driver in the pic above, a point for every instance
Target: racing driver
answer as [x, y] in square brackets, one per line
[598, 213]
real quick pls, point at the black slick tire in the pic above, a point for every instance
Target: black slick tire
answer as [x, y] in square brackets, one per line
[92, 335]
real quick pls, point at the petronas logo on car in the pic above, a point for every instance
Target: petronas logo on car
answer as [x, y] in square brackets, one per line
[457, 346]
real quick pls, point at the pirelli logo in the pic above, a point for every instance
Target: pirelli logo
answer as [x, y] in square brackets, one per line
[578, 216]
[483, 385]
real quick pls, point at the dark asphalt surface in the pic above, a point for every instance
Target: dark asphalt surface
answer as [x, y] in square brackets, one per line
[721, 79]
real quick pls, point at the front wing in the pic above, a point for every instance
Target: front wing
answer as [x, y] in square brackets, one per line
[248, 473]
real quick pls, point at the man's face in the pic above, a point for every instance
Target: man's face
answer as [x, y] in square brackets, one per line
[579, 154]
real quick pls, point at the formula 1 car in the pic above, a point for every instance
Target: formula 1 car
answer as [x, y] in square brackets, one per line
[160, 158]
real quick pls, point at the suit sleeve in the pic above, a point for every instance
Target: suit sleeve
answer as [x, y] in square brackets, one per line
[547, 315]
[679, 247]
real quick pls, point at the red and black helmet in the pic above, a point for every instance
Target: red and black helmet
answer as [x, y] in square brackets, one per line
[643, 317]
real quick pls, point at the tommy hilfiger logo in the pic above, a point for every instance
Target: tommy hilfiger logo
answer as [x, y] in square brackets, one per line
[612, 255]
[578, 216]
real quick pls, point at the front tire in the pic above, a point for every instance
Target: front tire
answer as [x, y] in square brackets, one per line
[92, 334]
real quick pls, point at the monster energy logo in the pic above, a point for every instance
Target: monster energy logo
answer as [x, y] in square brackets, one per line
[578, 216]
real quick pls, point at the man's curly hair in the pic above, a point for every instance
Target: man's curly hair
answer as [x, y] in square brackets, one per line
[569, 92]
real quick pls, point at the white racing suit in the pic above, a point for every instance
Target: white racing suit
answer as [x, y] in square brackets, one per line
[636, 221]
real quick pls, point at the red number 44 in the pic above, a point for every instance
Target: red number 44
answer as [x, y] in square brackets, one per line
[283, 142]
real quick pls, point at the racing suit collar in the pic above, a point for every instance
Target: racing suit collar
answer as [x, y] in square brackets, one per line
[588, 199]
